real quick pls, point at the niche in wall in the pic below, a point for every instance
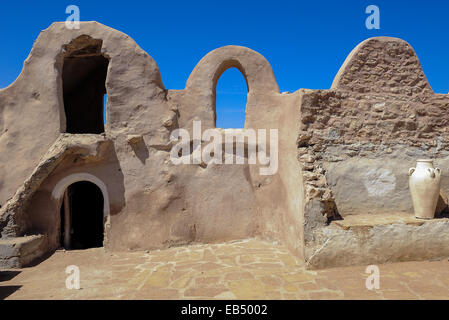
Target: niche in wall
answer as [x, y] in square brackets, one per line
[84, 85]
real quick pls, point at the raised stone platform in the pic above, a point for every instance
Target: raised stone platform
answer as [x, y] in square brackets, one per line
[376, 239]
[21, 251]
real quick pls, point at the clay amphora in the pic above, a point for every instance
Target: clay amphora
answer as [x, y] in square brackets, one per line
[424, 183]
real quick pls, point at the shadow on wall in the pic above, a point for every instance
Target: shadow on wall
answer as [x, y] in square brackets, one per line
[140, 149]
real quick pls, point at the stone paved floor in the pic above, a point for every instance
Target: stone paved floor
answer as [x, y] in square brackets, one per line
[249, 269]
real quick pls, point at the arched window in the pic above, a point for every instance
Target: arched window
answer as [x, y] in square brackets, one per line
[83, 79]
[231, 94]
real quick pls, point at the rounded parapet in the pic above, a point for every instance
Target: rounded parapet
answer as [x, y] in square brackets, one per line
[202, 83]
[131, 71]
[382, 65]
[254, 67]
[36, 98]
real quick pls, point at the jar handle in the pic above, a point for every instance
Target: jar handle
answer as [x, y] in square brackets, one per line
[431, 172]
[410, 171]
[438, 171]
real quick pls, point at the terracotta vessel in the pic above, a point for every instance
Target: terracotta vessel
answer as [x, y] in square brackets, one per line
[424, 183]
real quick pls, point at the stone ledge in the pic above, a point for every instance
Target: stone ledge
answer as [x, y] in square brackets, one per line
[18, 252]
[368, 239]
[370, 220]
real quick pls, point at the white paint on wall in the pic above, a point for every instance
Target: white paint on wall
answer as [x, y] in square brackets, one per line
[379, 182]
[60, 187]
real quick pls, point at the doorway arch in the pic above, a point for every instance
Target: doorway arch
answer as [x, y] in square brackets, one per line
[84, 210]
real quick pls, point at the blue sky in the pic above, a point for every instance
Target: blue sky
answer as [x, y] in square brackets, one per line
[305, 41]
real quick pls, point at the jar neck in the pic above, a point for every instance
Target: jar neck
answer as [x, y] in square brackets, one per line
[424, 164]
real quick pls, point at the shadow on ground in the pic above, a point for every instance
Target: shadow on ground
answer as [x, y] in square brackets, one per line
[6, 291]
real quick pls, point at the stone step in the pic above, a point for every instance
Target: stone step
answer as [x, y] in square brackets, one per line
[18, 252]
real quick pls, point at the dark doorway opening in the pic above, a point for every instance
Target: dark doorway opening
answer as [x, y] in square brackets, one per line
[84, 85]
[82, 214]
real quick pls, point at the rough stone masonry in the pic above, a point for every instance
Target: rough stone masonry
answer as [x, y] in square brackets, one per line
[339, 197]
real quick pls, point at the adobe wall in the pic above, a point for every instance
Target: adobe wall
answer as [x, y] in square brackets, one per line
[152, 202]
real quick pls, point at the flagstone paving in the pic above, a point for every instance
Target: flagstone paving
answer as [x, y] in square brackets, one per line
[249, 269]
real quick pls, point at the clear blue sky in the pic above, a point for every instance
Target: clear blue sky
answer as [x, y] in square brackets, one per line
[305, 41]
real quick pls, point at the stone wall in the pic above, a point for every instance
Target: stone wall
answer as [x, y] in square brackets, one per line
[380, 107]
[358, 140]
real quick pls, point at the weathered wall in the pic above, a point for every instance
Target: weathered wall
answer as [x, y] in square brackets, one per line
[152, 202]
[378, 118]
[358, 140]
[342, 152]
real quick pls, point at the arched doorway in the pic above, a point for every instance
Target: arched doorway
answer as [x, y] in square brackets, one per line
[82, 218]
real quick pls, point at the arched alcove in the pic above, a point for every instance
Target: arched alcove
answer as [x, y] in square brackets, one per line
[230, 99]
[83, 80]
